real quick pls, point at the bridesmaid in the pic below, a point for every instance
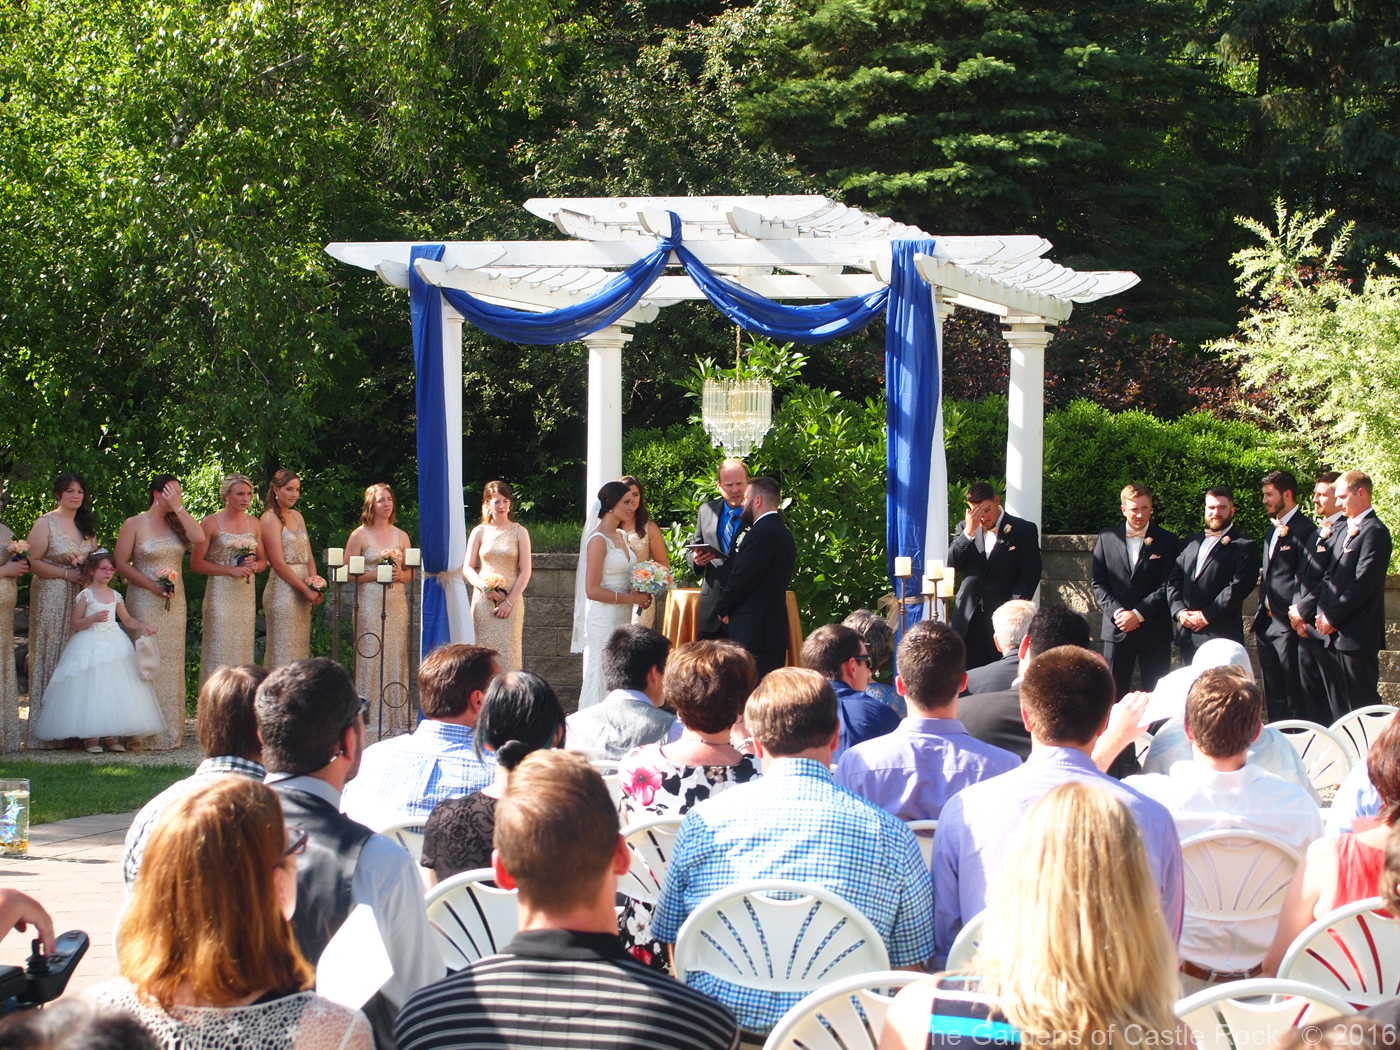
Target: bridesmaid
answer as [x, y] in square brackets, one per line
[230, 600]
[154, 540]
[501, 548]
[376, 535]
[58, 543]
[11, 732]
[287, 600]
[644, 537]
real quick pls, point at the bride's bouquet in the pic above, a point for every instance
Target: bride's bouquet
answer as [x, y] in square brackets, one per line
[167, 580]
[651, 577]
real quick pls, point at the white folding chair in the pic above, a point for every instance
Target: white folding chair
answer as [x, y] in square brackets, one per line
[1231, 1016]
[923, 831]
[846, 1015]
[778, 936]
[1234, 876]
[1325, 755]
[1141, 746]
[1351, 952]
[471, 919]
[408, 835]
[965, 943]
[1359, 728]
[651, 842]
[611, 772]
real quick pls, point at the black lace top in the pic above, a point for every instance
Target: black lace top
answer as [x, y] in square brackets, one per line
[458, 835]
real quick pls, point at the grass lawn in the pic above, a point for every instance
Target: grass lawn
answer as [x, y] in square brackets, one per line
[58, 790]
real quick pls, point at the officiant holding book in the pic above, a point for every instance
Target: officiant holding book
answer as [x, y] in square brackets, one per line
[708, 550]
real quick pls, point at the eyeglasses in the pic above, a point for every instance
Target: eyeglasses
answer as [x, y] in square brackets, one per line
[863, 658]
[298, 845]
[361, 712]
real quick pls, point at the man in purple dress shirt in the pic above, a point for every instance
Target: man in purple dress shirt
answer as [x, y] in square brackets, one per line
[929, 757]
[1066, 698]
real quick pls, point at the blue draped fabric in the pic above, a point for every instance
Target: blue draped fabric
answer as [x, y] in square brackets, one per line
[435, 528]
[911, 404]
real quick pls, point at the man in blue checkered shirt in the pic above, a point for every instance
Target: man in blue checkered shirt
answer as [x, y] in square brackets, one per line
[796, 823]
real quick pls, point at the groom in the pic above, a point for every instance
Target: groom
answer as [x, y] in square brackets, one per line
[717, 524]
[754, 601]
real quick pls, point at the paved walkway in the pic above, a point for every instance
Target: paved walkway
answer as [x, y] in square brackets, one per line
[74, 869]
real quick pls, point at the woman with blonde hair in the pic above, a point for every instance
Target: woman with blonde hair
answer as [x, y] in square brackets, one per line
[287, 597]
[1074, 952]
[229, 550]
[383, 677]
[206, 949]
[498, 569]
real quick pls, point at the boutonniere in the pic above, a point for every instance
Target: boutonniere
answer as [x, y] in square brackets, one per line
[1147, 540]
[1006, 529]
[1282, 531]
[1325, 532]
[1354, 530]
[1224, 541]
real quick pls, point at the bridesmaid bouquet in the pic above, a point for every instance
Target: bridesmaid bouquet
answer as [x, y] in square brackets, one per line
[18, 550]
[167, 580]
[245, 548]
[316, 583]
[651, 577]
[392, 554]
[495, 584]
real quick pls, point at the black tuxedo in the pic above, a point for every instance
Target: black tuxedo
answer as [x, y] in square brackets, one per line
[755, 595]
[1316, 665]
[1141, 587]
[708, 521]
[1012, 571]
[1352, 598]
[995, 677]
[1275, 638]
[995, 718]
[1230, 573]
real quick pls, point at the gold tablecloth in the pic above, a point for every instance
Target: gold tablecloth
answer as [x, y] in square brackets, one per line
[683, 617]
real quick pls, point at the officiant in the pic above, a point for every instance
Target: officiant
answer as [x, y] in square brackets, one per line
[708, 550]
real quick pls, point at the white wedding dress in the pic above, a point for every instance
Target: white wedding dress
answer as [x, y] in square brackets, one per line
[96, 689]
[604, 617]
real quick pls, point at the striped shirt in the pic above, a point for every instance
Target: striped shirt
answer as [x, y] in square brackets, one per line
[559, 989]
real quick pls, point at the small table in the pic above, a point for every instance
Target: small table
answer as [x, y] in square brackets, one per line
[683, 618]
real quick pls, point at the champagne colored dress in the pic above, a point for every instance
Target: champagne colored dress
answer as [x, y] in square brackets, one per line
[641, 549]
[500, 555]
[288, 614]
[230, 610]
[149, 557]
[50, 607]
[391, 652]
[11, 732]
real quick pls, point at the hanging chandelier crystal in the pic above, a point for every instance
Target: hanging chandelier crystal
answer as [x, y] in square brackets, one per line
[737, 413]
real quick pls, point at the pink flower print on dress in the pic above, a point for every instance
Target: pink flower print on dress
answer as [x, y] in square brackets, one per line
[642, 784]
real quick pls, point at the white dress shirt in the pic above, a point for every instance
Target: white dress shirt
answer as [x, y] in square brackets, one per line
[1207, 545]
[1203, 799]
[1135, 548]
[1273, 540]
[986, 539]
[1272, 753]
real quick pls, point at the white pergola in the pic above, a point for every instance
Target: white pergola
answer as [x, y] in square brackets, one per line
[782, 247]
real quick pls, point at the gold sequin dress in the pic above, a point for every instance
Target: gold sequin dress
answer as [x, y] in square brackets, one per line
[149, 557]
[500, 555]
[50, 609]
[372, 599]
[11, 732]
[288, 614]
[230, 610]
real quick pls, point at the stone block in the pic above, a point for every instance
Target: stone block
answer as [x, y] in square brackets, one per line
[1066, 565]
[1083, 542]
[549, 612]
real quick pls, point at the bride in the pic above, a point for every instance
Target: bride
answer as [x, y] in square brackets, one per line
[607, 584]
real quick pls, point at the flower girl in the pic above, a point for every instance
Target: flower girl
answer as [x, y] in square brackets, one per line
[97, 690]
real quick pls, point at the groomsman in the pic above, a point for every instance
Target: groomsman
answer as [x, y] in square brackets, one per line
[1287, 543]
[716, 524]
[997, 558]
[1213, 575]
[1351, 603]
[1315, 664]
[1131, 563]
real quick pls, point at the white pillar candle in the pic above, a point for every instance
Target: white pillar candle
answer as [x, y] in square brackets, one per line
[903, 567]
[335, 557]
[933, 569]
[412, 557]
[930, 586]
[949, 576]
[386, 572]
[945, 588]
[357, 565]
[342, 575]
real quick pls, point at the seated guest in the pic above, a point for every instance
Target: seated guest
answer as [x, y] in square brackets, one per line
[634, 668]
[877, 634]
[1337, 871]
[1066, 697]
[1357, 805]
[71, 1024]
[520, 715]
[228, 736]
[1010, 622]
[1064, 949]
[401, 779]
[1388, 1012]
[795, 823]
[929, 757]
[1363, 1031]
[1217, 791]
[565, 980]
[313, 732]
[207, 953]
[837, 653]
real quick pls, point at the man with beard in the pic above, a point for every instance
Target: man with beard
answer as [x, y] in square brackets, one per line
[716, 527]
[1315, 664]
[1286, 546]
[753, 603]
[1213, 575]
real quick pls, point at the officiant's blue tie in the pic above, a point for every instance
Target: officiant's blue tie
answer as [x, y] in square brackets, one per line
[731, 524]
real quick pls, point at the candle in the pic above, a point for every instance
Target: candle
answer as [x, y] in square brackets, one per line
[903, 567]
[412, 556]
[933, 569]
[945, 588]
[930, 587]
[948, 577]
[335, 557]
[386, 572]
[357, 565]
[342, 575]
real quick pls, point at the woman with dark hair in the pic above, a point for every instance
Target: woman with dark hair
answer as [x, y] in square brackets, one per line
[150, 555]
[58, 544]
[647, 543]
[379, 540]
[287, 599]
[497, 568]
[229, 550]
[607, 584]
[878, 636]
[519, 714]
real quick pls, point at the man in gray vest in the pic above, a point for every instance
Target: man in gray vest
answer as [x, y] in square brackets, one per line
[313, 731]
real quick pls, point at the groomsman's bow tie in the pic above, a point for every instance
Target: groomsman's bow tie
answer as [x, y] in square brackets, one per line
[1136, 535]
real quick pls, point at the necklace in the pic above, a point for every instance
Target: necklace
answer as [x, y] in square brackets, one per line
[713, 743]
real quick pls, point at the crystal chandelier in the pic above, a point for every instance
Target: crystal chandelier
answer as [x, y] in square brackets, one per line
[737, 413]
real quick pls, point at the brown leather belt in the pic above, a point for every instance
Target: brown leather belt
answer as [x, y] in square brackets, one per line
[1190, 969]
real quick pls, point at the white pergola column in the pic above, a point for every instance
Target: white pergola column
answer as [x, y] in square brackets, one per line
[604, 409]
[937, 528]
[459, 612]
[1025, 410]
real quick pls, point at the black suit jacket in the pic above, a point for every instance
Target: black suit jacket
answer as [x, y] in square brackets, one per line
[1013, 570]
[995, 718]
[1279, 583]
[714, 575]
[1140, 587]
[1230, 574]
[755, 595]
[1353, 591]
[1314, 568]
[995, 677]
